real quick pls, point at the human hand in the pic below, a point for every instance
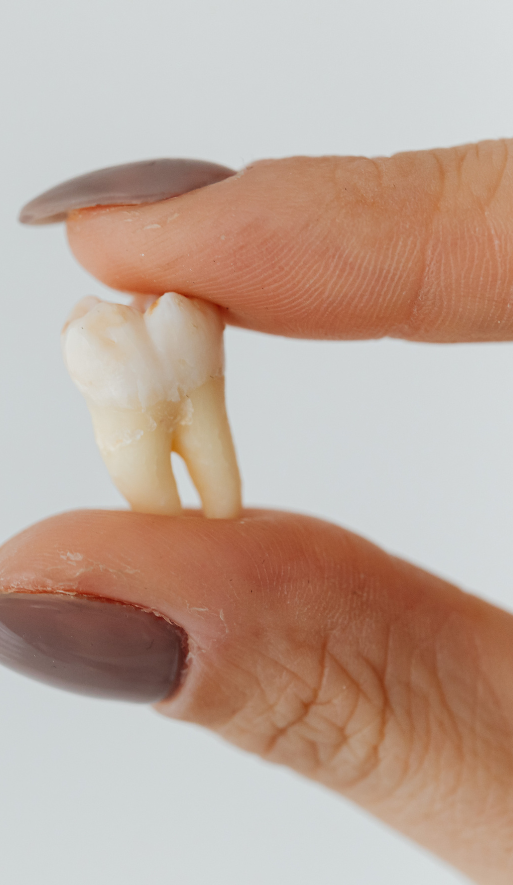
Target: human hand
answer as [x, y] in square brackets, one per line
[307, 644]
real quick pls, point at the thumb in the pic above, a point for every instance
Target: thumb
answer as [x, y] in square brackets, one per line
[316, 650]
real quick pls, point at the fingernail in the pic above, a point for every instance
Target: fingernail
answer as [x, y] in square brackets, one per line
[131, 184]
[91, 646]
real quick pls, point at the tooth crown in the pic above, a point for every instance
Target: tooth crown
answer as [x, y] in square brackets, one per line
[154, 384]
[120, 357]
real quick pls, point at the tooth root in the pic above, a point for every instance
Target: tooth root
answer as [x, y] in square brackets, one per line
[136, 448]
[206, 446]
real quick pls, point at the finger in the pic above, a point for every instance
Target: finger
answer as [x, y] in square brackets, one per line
[418, 245]
[314, 649]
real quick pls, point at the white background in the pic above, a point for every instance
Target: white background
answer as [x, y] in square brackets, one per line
[408, 444]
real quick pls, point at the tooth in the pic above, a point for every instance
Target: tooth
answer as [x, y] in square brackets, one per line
[154, 383]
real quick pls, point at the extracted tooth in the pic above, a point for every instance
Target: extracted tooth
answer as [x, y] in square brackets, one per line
[154, 383]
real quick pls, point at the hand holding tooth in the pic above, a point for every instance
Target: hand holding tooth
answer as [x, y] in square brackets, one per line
[154, 383]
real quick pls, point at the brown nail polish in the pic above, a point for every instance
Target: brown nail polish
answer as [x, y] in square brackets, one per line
[91, 646]
[130, 184]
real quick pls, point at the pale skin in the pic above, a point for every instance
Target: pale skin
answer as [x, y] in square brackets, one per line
[308, 645]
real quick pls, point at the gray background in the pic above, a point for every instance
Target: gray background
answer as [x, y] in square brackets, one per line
[408, 444]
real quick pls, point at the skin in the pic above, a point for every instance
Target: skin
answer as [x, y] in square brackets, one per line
[308, 645]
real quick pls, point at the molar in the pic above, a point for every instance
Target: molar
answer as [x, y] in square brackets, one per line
[154, 383]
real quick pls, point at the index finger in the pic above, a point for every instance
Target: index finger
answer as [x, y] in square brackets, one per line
[418, 245]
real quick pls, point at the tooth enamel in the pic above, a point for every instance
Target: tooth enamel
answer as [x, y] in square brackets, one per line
[154, 383]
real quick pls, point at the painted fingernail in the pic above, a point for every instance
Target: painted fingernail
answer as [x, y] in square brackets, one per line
[128, 185]
[91, 646]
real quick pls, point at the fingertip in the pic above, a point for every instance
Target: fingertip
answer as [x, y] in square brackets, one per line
[89, 234]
